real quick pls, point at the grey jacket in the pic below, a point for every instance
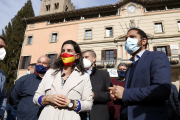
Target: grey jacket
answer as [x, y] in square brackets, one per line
[2, 93]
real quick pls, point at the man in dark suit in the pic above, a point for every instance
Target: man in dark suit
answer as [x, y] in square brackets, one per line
[147, 85]
[2, 79]
[100, 81]
[173, 104]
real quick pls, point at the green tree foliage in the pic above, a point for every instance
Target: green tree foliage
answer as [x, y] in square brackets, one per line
[14, 33]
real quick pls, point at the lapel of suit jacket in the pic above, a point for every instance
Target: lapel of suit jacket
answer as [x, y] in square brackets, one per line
[139, 65]
[57, 83]
[73, 80]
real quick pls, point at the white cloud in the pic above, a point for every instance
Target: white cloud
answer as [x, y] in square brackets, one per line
[9, 8]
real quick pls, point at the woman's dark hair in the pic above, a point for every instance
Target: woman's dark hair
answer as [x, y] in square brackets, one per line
[141, 33]
[58, 65]
[4, 39]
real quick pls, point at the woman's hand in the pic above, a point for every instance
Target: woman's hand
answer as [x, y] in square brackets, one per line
[65, 101]
[56, 100]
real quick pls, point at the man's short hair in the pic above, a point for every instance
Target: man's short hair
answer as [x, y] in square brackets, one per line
[141, 33]
[4, 39]
[91, 52]
[122, 64]
[32, 65]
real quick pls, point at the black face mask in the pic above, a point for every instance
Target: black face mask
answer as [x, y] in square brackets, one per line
[41, 69]
[122, 73]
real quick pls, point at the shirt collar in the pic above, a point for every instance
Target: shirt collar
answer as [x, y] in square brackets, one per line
[137, 57]
[90, 71]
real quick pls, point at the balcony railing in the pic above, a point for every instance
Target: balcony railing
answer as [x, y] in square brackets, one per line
[174, 60]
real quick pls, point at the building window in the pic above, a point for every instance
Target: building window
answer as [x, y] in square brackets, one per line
[25, 61]
[52, 59]
[158, 27]
[66, 9]
[165, 49]
[54, 37]
[29, 41]
[31, 25]
[109, 32]
[56, 5]
[88, 34]
[48, 7]
[109, 54]
[179, 25]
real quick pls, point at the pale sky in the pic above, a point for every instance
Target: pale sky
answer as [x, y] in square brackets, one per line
[9, 8]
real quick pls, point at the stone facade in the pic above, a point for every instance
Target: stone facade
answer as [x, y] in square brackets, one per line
[103, 29]
[55, 6]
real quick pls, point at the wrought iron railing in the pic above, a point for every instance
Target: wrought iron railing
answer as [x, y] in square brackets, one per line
[174, 60]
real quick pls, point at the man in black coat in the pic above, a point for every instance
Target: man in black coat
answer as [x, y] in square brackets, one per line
[24, 90]
[100, 81]
[173, 104]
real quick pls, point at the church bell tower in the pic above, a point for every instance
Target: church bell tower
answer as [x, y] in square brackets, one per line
[54, 6]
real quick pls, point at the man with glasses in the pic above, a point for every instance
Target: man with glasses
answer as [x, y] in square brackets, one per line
[24, 90]
[114, 107]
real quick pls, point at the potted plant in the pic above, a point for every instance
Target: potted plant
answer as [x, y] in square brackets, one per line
[100, 66]
[109, 66]
[174, 62]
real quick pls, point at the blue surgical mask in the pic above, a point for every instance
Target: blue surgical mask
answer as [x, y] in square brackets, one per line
[131, 45]
[122, 73]
[28, 72]
[41, 69]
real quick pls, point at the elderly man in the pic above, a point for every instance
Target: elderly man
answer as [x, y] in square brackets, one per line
[147, 85]
[24, 90]
[2, 79]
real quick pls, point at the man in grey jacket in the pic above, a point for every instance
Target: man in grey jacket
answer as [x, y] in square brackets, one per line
[2, 79]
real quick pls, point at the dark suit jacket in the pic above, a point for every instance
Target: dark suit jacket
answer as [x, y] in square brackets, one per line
[100, 81]
[173, 104]
[149, 89]
[22, 95]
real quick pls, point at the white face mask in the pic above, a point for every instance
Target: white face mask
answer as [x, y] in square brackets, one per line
[87, 63]
[28, 72]
[2, 53]
[131, 45]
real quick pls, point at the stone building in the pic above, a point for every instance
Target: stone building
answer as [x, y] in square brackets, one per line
[55, 6]
[103, 29]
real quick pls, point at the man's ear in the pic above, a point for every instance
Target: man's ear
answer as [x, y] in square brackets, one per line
[94, 59]
[144, 41]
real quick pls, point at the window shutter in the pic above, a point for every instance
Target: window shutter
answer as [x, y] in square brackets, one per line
[115, 54]
[55, 57]
[179, 25]
[29, 60]
[155, 48]
[21, 62]
[168, 50]
[107, 32]
[102, 54]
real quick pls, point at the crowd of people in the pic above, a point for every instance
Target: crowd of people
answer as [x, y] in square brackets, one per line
[75, 89]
